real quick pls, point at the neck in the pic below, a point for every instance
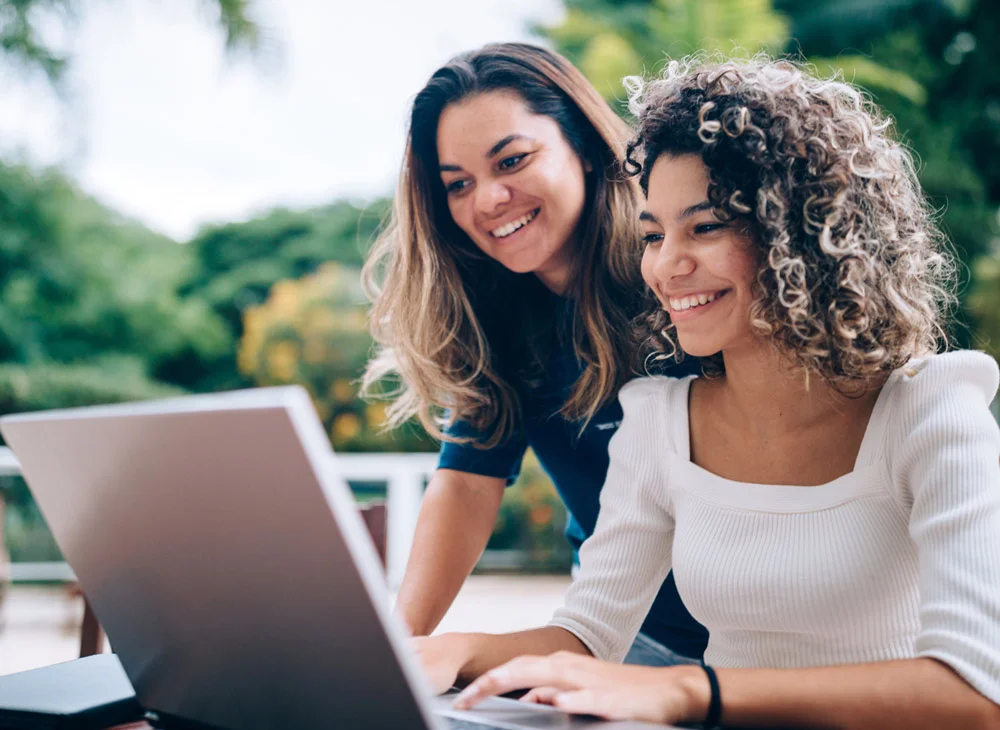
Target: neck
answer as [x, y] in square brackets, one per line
[770, 395]
[556, 282]
[555, 275]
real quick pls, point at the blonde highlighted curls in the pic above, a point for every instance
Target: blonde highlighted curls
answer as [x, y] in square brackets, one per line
[855, 277]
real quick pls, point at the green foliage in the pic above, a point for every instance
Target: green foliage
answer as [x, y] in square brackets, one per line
[984, 304]
[238, 263]
[24, 531]
[53, 385]
[314, 331]
[608, 40]
[79, 283]
[235, 18]
[862, 71]
[23, 41]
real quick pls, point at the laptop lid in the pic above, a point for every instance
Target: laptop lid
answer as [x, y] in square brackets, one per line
[225, 559]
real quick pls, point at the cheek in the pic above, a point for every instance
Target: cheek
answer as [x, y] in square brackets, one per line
[746, 267]
[463, 217]
[646, 268]
[740, 263]
[567, 190]
[460, 214]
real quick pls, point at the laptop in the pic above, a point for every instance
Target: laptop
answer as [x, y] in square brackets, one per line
[231, 570]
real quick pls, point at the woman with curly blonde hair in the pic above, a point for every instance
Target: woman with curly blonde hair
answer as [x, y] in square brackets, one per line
[503, 290]
[829, 496]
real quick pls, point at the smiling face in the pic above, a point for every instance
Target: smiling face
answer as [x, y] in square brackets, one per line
[514, 184]
[702, 270]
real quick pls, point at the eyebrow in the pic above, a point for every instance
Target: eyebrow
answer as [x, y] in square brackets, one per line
[690, 211]
[686, 213]
[494, 150]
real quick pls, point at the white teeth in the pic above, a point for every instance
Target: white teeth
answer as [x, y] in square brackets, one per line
[508, 228]
[693, 300]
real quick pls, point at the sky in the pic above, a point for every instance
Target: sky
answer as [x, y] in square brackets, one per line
[160, 124]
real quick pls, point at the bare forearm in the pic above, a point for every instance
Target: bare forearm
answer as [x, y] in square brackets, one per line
[455, 523]
[909, 694]
[486, 651]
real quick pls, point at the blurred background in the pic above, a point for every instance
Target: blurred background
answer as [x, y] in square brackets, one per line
[188, 189]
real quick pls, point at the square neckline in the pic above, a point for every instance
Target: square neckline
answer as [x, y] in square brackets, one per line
[865, 477]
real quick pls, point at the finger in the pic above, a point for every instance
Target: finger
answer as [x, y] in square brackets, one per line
[586, 702]
[521, 673]
[541, 695]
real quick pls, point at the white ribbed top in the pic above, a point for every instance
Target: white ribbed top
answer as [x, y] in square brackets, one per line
[898, 559]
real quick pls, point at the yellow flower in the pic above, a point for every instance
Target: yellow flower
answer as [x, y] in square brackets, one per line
[342, 391]
[282, 360]
[346, 426]
[375, 413]
[315, 351]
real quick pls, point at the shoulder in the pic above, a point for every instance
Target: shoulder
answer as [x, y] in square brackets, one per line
[942, 402]
[946, 382]
[645, 392]
[962, 367]
[649, 405]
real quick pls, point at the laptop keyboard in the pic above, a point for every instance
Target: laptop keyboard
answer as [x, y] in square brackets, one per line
[454, 724]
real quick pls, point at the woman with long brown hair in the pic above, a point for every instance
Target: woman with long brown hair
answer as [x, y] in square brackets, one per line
[503, 292]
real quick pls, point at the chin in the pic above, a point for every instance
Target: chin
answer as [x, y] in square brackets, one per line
[518, 267]
[699, 349]
[524, 264]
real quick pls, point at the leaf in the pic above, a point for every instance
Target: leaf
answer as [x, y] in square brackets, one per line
[863, 71]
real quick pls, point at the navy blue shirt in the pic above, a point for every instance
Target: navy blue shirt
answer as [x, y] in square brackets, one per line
[577, 464]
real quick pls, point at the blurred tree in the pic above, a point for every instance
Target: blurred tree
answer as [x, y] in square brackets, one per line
[237, 264]
[609, 39]
[984, 303]
[313, 331]
[88, 300]
[26, 37]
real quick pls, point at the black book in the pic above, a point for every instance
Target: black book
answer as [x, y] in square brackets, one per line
[84, 694]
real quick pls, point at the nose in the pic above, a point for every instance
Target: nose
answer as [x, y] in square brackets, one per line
[490, 195]
[671, 261]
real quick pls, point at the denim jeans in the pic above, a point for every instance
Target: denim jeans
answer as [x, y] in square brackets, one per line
[651, 653]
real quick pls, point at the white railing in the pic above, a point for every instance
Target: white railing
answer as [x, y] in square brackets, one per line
[403, 474]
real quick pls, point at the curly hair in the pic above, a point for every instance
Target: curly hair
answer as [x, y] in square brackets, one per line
[855, 275]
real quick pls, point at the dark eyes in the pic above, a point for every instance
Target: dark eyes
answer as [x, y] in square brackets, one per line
[507, 163]
[511, 162]
[701, 229]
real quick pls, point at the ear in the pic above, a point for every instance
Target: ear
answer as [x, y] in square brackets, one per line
[587, 167]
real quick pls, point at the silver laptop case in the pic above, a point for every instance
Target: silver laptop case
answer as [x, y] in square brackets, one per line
[225, 559]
